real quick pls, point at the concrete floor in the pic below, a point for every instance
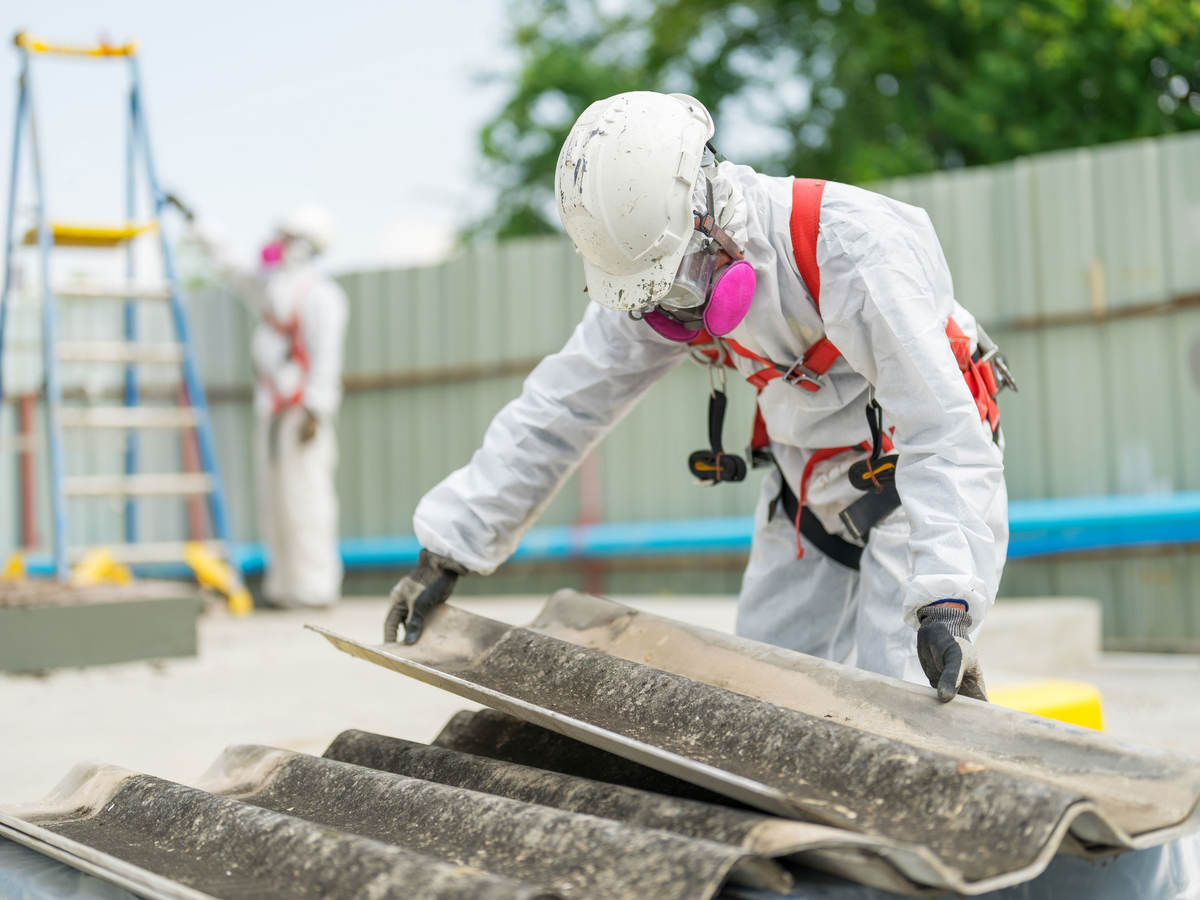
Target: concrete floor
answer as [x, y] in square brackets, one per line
[266, 680]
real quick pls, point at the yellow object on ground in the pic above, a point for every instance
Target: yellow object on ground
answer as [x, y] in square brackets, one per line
[213, 572]
[67, 235]
[98, 567]
[1067, 701]
[14, 569]
[34, 45]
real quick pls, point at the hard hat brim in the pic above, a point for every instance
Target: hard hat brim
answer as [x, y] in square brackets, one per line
[639, 291]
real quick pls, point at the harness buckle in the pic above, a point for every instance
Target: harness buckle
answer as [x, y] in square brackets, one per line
[800, 374]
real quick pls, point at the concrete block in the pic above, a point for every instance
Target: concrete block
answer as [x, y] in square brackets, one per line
[45, 625]
[1040, 636]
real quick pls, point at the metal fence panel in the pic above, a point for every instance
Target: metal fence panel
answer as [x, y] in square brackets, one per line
[1129, 222]
[1061, 194]
[1180, 191]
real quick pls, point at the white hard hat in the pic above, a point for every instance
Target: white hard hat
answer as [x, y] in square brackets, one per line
[624, 187]
[312, 223]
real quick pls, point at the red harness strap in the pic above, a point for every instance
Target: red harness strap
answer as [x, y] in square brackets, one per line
[804, 227]
[297, 351]
[980, 378]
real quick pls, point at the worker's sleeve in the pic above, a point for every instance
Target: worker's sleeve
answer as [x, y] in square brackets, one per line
[244, 280]
[325, 315]
[886, 294]
[477, 515]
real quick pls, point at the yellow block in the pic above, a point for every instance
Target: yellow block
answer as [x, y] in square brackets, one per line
[101, 50]
[78, 235]
[213, 572]
[98, 567]
[14, 569]
[1066, 701]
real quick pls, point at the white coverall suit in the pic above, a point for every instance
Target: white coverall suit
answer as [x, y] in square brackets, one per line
[297, 352]
[885, 297]
[297, 500]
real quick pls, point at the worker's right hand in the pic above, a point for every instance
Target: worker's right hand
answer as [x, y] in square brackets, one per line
[946, 653]
[418, 592]
[308, 426]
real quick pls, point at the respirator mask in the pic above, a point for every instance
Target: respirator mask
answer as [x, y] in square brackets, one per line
[697, 300]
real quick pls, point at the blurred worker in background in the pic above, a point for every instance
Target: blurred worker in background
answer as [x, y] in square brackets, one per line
[881, 531]
[297, 351]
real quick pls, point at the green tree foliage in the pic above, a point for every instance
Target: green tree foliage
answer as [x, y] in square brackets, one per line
[852, 90]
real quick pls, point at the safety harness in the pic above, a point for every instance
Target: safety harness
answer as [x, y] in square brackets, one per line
[876, 475]
[292, 332]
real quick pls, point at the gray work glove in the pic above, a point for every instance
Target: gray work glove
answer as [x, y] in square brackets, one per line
[946, 652]
[414, 595]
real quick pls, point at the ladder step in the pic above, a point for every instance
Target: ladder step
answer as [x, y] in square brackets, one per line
[143, 553]
[128, 417]
[119, 352]
[65, 234]
[100, 291]
[103, 50]
[139, 485]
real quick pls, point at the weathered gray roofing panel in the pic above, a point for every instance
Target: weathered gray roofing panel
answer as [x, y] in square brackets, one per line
[496, 735]
[207, 845]
[573, 854]
[985, 826]
[804, 844]
[1138, 791]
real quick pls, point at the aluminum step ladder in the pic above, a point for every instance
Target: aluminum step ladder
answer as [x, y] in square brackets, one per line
[189, 412]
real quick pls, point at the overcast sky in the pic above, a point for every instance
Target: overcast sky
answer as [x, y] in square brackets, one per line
[370, 109]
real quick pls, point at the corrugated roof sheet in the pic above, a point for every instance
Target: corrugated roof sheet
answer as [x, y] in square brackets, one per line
[964, 797]
[877, 782]
[274, 823]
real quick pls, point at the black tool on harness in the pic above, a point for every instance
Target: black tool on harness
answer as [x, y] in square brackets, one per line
[876, 477]
[714, 465]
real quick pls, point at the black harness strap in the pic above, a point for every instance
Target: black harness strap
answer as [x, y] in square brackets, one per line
[836, 548]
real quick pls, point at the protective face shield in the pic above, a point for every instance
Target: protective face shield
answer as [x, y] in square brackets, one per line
[696, 300]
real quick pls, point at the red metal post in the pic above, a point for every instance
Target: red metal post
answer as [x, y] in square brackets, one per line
[25, 406]
[190, 453]
[591, 511]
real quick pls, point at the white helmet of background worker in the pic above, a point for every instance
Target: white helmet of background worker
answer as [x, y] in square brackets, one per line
[624, 186]
[309, 223]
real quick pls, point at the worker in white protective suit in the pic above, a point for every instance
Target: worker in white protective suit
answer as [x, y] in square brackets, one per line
[885, 512]
[297, 353]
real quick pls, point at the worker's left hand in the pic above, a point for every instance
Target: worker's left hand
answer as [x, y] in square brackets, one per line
[946, 653]
[308, 427]
[418, 592]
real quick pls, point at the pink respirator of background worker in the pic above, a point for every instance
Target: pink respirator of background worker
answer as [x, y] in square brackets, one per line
[696, 302]
[272, 253]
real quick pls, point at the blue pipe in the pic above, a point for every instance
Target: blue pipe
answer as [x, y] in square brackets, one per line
[1038, 528]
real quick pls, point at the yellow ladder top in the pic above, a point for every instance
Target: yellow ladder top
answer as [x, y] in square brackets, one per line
[102, 50]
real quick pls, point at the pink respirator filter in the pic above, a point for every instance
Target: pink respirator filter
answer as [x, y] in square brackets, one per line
[730, 298]
[272, 254]
[669, 328]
